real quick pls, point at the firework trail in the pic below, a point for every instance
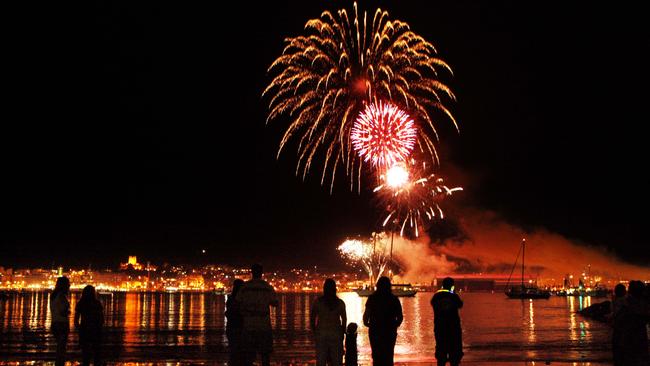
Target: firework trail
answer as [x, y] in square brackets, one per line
[412, 196]
[383, 134]
[324, 78]
[372, 254]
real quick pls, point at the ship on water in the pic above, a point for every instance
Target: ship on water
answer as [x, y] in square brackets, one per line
[525, 290]
[584, 291]
[586, 286]
[398, 289]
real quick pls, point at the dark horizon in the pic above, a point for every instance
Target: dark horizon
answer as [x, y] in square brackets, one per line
[139, 129]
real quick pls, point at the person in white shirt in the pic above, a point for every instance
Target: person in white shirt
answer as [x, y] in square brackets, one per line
[254, 299]
[328, 321]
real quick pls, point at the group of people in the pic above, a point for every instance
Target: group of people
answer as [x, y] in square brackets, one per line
[248, 323]
[249, 332]
[630, 313]
[88, 320]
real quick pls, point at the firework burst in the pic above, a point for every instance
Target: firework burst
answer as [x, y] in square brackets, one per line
[383, 134]
[415, 200]
[373, 254]
[323, 78]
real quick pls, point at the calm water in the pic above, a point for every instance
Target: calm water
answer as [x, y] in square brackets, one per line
[183, 326]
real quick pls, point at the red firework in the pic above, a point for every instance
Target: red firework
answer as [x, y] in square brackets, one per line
[383, 134]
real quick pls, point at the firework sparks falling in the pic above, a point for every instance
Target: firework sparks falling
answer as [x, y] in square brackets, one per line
[323, 78]
[383, 134]
[373, 254]
[413, 201]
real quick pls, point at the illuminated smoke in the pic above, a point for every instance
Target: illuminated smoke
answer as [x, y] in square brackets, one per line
[489, 244]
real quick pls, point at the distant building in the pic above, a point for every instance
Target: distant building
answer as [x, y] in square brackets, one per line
[482, 282]
[132, 263]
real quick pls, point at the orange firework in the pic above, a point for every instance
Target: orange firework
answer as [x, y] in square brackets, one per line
[345, 60]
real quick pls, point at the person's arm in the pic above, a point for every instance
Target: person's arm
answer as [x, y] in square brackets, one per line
[399, 316]
[228, 307]
[101, 315]
[274, 298]
[459, 302]
[66, 307]
[344, 317]
[367, 313]
[77, 316]
[313, 314]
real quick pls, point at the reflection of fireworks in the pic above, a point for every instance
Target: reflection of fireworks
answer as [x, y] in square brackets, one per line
[371, 254]
[412, 202]
[383, 134]
[322, 80]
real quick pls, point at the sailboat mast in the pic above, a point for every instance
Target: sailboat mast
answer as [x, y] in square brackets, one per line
[523, 259]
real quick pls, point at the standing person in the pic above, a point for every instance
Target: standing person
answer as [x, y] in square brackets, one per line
[383, 315]
[89, 320]
[633, 320]
[327, 321]
[234, 324]
[254, 300]
[351, 354]
[447, 330]
[618, 301]
[60, 311]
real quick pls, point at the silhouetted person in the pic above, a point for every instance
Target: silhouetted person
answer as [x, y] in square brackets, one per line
[446, 324]
[633, 320]
[60, 311]
[234, 324]
[327, 321]
[254, 300]
[618, 301]
[351, 354]
[89, 320]
[383, 315]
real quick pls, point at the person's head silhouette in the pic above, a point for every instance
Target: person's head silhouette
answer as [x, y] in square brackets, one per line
[447, 283]
[62, 286]
[383, 285]
[256, 270]
[329, 288]
[88, 294]
[619, 290]
[636, 289]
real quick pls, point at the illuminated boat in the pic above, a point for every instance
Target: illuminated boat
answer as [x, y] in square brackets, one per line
[525, 291]
[584, 292]
[398, 289]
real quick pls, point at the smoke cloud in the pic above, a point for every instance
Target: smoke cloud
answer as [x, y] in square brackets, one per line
[486, 243]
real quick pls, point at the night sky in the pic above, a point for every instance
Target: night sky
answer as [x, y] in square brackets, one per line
[140, 129]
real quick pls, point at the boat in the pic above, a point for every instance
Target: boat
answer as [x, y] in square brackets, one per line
[525, 291]
[584, 292]
[398, 289]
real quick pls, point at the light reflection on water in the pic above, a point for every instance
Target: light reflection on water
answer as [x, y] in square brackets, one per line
[181, 326]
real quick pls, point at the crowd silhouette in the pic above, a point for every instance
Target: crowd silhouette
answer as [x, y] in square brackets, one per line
[629, 317]
[249, 331]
